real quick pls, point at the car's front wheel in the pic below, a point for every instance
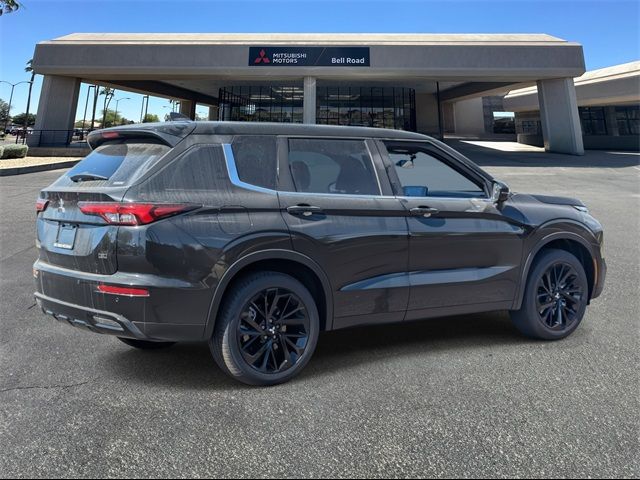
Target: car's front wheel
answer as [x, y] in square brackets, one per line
[267, 329]
[555, 297]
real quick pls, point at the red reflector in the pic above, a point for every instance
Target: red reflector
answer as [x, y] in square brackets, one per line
[131, 213]
[110, 134]
[128, 291]
[41, 205]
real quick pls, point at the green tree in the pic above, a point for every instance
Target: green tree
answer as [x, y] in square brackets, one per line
[24, 118]
[8, 6]
[4, 112]
[110, 119]
[151, 118]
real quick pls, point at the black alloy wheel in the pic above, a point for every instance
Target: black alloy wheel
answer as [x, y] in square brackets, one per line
[273, 330]
[559, 296]
[555, 297]
[266, 330]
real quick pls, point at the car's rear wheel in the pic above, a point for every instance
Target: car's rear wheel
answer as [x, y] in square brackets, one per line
[144, 344]
[267, 329]
[555, 298]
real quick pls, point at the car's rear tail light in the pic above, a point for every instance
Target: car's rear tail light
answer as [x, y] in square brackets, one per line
[41, 205]
[127, 291]
[110, 135]
[132, 213]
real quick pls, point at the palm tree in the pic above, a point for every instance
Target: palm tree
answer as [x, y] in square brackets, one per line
[108, 95]
[8, 6]
[29, 69]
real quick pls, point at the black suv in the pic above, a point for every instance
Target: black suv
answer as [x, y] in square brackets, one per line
[256, 237]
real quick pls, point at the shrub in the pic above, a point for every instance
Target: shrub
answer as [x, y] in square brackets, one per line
[1, 150]
[14, 151]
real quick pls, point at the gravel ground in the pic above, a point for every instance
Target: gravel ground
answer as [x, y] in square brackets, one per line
[456, 397]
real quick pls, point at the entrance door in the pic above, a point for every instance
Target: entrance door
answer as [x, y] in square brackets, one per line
[340, 210]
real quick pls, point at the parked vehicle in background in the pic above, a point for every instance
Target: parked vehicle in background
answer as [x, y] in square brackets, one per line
[256, 237]
[21, 132]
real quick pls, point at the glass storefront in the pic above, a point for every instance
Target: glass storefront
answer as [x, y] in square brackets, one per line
[628, 119]
[382, 107]
[592, 120]
[261, 104]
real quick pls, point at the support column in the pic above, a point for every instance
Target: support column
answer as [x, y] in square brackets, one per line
[188, 108]
[56, 111]
[213, 113]
[309, 102]
[559, 116]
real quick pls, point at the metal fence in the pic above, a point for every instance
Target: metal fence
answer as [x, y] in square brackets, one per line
[53, 138]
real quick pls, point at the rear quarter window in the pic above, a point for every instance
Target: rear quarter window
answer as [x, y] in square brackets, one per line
[121, 163]
[256, 159]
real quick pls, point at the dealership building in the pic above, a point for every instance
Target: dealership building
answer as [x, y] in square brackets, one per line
[608, 107]
[419, 82]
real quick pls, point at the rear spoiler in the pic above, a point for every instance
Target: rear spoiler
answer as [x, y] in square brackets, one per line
[168, 133]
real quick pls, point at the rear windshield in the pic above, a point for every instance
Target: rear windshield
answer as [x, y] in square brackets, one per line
[115, 164]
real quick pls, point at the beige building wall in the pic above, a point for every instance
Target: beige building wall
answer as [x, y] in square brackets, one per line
[427, 113]
[469, 117]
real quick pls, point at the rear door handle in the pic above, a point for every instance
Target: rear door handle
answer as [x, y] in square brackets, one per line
[303, 210]
[423, 211]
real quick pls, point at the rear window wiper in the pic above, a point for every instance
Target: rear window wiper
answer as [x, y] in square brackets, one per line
[86, 176]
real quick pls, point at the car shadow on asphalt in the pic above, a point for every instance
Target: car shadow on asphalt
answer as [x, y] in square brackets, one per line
[190, 366]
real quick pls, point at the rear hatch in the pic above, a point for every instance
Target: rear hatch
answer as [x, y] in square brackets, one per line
[71, 239]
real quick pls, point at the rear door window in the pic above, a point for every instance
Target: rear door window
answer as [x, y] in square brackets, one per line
[115, 164]
[332, 166]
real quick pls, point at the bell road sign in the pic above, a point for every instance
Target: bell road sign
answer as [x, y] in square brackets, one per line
[309, 56]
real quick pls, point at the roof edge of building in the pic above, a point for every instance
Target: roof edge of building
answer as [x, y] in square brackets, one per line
[623, 70]
[309, 38]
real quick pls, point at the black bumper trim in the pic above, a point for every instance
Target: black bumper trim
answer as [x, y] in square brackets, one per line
[97, 321]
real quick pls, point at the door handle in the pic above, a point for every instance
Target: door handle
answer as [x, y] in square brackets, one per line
[423, 211]
[303, 210]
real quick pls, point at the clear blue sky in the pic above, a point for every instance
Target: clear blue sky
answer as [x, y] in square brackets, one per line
[608, 29]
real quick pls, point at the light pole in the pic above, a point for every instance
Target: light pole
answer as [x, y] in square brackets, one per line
[13, 85]
[115, 117]
[86, 104]
[143, 108]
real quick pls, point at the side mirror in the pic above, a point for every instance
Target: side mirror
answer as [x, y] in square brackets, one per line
[500, 192]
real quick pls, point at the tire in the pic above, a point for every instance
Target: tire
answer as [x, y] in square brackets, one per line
[145, 344]
[555, 297]
[244, 338]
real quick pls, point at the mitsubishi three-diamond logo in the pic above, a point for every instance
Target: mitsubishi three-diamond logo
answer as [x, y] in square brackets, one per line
[262, 58]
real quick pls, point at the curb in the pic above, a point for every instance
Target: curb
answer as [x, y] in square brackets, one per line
[5, 172]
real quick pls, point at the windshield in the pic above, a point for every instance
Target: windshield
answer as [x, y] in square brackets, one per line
[115, 164]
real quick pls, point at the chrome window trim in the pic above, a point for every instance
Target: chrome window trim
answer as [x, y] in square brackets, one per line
[232, 171]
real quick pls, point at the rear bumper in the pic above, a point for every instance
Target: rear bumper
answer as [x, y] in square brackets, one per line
[174, 310]
[97, 321]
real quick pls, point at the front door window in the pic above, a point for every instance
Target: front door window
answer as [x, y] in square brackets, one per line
[421, 174]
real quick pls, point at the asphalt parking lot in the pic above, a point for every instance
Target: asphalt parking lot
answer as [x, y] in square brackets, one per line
[455, 397]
